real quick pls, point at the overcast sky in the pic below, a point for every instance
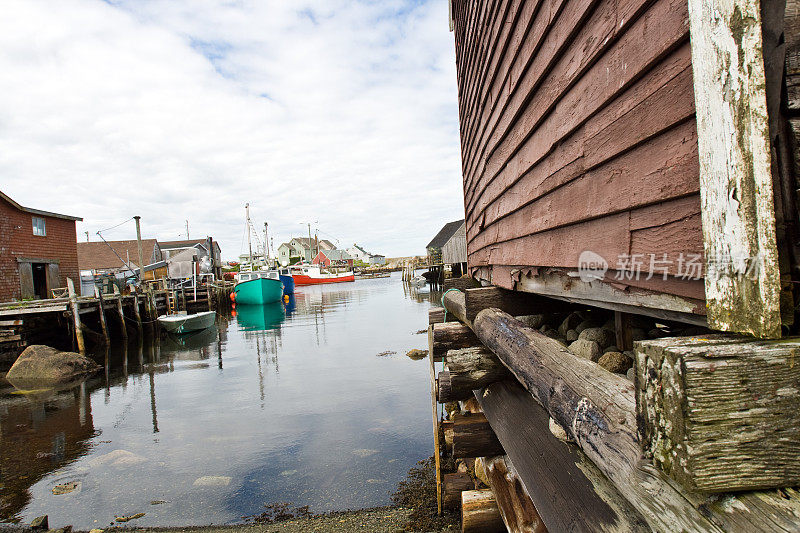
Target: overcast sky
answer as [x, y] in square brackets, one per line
[342, 113]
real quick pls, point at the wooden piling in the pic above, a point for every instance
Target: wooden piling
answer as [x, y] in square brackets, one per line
[99, 295]
[137, 314]
[208, 295]
[121, 314]
[76, 316]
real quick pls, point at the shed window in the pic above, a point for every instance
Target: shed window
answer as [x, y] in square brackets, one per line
[38, 227]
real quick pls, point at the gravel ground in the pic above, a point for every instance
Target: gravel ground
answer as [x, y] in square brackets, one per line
[378, 520]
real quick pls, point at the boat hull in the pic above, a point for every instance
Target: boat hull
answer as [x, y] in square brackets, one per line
[258, 291]
[304, 279]
[288, 284]
[179, 324]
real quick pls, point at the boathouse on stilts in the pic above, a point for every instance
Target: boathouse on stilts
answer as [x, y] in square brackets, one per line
[623, 357]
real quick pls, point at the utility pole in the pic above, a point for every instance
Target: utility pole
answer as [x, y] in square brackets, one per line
[309, 241]
[139, 248]
[87, 236]
[187, 230]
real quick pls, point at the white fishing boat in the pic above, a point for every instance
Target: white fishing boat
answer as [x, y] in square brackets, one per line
[185, 323]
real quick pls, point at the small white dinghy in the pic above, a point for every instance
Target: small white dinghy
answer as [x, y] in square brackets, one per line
[184, 323]
[418, 281]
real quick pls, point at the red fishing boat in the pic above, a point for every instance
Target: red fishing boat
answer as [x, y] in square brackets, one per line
[313, 275]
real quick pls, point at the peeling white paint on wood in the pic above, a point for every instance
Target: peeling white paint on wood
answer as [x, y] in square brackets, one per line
[735, 176]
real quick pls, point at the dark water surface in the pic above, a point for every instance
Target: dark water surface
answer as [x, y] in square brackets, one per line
[270, 406]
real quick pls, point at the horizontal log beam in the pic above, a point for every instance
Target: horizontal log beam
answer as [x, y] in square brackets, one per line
[453, 485]
[568, 491]
[451, 336]
[473, 437]
[597, 410]
[468, 369]
[479, 512]
[453, 301]
[515, 303]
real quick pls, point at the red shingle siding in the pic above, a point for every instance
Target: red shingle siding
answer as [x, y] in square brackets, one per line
[17, 240]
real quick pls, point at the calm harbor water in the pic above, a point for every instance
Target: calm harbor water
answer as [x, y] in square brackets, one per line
[273, 405]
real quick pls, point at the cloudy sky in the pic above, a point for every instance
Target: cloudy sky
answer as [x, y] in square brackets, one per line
[342, 113]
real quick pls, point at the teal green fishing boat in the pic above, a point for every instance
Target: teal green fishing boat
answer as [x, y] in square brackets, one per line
[257, 288]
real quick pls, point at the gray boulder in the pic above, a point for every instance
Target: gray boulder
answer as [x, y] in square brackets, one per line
[45, 365]
[572, 320]
[586, 348]
[603, 337]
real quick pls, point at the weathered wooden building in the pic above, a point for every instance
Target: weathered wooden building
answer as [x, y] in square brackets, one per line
[630, 173]
[37, 251]
[434, 248]
[454, 251]
[582, 147]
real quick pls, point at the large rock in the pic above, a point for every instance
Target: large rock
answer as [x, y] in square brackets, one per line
[40, 364]
[586, 349]
[603, 337]
[616, 362]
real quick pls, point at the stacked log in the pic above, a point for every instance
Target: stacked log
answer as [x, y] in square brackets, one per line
[479, 512]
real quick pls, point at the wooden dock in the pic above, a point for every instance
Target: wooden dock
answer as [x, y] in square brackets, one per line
[97, 319]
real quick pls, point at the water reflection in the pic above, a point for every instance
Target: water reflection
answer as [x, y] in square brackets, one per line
[273, 404]
[39, 432]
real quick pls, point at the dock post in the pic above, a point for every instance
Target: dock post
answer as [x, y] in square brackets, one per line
[137, 314]
[76, 316]
[99, 294]
[208, 295]
[121, 314]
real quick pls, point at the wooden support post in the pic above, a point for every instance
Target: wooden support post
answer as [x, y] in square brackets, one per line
[479, 512]
[473, 437]
[435, 413]
[121, 314]
[454, 485]
[469, 369]
[623, 329]
[102, 313]
[451, 336]
[208, 296]
[137, 314]
[515, 505]
[721, 413]
[742, 275]
[76, 316]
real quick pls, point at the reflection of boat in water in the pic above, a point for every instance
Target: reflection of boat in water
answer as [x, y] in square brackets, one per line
[313, 275]
[181, 323]
[260, 317]
[191, 341]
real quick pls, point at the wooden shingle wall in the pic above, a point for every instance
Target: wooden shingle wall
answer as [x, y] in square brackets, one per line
[578, 133]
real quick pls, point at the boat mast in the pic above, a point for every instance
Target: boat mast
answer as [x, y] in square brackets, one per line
[266, 246]
[249, 244]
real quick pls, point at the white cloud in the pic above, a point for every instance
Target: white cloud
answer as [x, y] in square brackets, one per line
[339, 112]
